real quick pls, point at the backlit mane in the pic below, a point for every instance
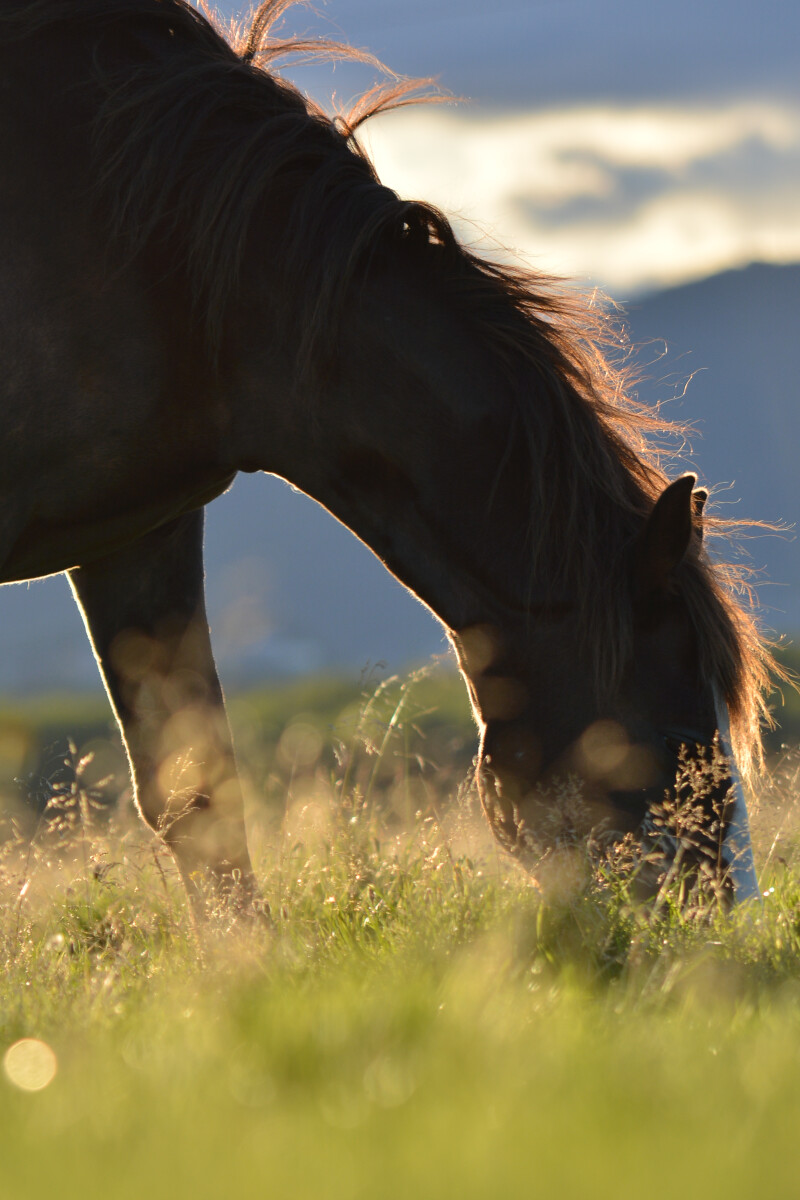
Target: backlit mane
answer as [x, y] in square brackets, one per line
[200, 146]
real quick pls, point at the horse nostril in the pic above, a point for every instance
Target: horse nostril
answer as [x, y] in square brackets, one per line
[511, 749]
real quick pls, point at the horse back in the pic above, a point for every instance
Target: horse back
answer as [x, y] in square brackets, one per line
[107, 421]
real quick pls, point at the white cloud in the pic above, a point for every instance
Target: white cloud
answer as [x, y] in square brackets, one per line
[630, 197]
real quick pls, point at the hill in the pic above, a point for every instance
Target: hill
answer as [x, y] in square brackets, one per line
[731, 342]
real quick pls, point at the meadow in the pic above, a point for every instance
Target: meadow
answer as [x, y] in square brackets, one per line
[415, 1019]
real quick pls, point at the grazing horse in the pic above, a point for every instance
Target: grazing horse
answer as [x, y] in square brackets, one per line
[201, 274]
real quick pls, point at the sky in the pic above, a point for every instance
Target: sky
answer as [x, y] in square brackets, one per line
[628, 145]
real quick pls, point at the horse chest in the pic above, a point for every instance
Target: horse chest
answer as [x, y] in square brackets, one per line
[47, 546]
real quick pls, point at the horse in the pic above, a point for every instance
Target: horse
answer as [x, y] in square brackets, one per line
[201, 275]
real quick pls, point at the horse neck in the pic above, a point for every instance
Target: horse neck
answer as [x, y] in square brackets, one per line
[409, 443]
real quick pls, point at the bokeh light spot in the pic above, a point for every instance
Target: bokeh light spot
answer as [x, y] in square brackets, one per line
[30, 1064]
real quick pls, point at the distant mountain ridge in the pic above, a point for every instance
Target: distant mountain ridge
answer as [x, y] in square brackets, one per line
[290, 590]
[732, 341]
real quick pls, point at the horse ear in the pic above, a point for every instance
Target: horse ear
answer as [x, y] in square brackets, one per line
[699, 498]
[666, 535]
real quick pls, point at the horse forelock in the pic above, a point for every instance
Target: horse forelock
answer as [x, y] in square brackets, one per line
[196, 140]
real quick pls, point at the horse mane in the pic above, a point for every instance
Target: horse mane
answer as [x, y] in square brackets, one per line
[196, 136]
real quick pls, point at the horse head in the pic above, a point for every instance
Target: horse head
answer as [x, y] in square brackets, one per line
[609, 752]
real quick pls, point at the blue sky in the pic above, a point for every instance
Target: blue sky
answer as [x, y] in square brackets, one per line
[630, 145]
[542, 52]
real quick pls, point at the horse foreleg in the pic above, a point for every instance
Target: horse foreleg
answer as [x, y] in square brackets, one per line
[145, 613]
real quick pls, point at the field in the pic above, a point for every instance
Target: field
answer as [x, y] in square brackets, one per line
[417, 1019]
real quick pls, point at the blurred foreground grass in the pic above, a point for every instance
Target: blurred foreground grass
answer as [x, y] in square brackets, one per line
[419, 1021]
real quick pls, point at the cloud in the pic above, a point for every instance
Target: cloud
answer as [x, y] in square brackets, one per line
[630, 197]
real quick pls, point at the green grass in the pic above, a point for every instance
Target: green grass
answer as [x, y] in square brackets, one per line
[418, 1021]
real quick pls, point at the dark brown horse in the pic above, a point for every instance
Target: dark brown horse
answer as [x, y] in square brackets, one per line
[201, 275]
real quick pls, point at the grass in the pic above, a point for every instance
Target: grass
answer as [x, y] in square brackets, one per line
[421, 1021]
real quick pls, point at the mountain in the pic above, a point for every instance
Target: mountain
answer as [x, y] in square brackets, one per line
[290, 590]
[732, 342]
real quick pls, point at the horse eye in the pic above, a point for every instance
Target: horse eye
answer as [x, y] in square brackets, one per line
[676, 744]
